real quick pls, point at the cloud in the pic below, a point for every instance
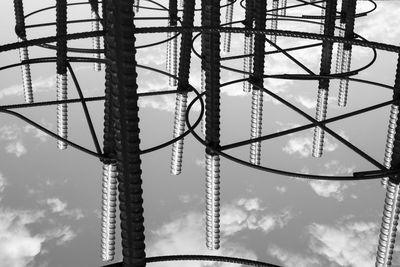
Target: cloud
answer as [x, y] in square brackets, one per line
[17, 245]
[281, 189]
[347, 244]
[40, 85]
[329, 189]
[56, 204]
[293, 259]
[184, 235]
[16, 148]
[303, 146]
[61, 234]
[333, 189]
[60, 207]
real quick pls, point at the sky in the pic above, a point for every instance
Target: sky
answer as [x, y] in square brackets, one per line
[50, 200]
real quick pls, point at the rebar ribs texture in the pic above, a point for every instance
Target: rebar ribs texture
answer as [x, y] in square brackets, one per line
[121, 44]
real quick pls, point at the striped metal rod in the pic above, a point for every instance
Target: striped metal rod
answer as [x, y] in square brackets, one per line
[62, 109]
[323, 85]
[212, 202]
[321, 26]
[23, 51]
[203, 89]
[339, 54]
[26, 75]
[274, 21]
[390, 219]
[256, 125]
[344, 83]
[96, 40]
[108, 214]
[179, 129]
[228, 21]
[283, 5]
[248, 61]
[394, 114]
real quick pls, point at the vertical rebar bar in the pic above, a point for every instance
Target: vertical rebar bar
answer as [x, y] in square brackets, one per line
[248, 61]
[23, 51]
[183, 84]
[339, 54]
[173, 68]
[394, 113]
[323, 9]
[283, 5]
[318, 138]
[391, 210]
[26, 74]
[108, 214]
[96, 40]
[228, 21]
[109, 169]
[203, 89]
[136, 6]
[179, 129]
[348, 15]
[212, 67]
[344, 83]
[257, 82]
[387, 236]
[256, 125]
[62, 109]
[274, 20]
[325, 69]
[213, 201]
[120, 36]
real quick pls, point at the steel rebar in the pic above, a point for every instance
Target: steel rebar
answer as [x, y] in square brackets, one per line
[228, 21]
[394, 113]
[108, 215]
[274, 20]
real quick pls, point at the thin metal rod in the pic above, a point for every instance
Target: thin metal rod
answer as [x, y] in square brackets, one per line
[228, 21]
[394, 113]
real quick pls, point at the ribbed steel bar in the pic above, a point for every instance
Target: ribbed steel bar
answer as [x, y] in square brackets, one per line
[183, 86]
[248, 44]
[109, 199]
[390, 219]
[228, 21]
[323, 11]
[23, 51]
[96, 40]
[172, 47]
[136, 6]
[349, 10]
[258, 73]
[274, 20]
[339, 54]
[62, 109]
[394, 115]
[120, 39]
[283, 6]
[108, 211]
[203, 89]
[212, 66]
[323, 86]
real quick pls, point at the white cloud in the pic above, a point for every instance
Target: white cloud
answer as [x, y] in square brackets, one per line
[329, 188]
[281, 189]
[43, 137]
[17, 245]
[62, 235]
[303, 146]
[185, 235]
[250, 204]
[347, 244]
[40, 85]
[293, 259]
[16, 148]
[60, 207]
[56, 204]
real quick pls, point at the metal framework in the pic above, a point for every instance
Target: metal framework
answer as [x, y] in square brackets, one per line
[121, 151]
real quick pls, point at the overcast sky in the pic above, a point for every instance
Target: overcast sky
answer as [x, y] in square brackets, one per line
[50, 200]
